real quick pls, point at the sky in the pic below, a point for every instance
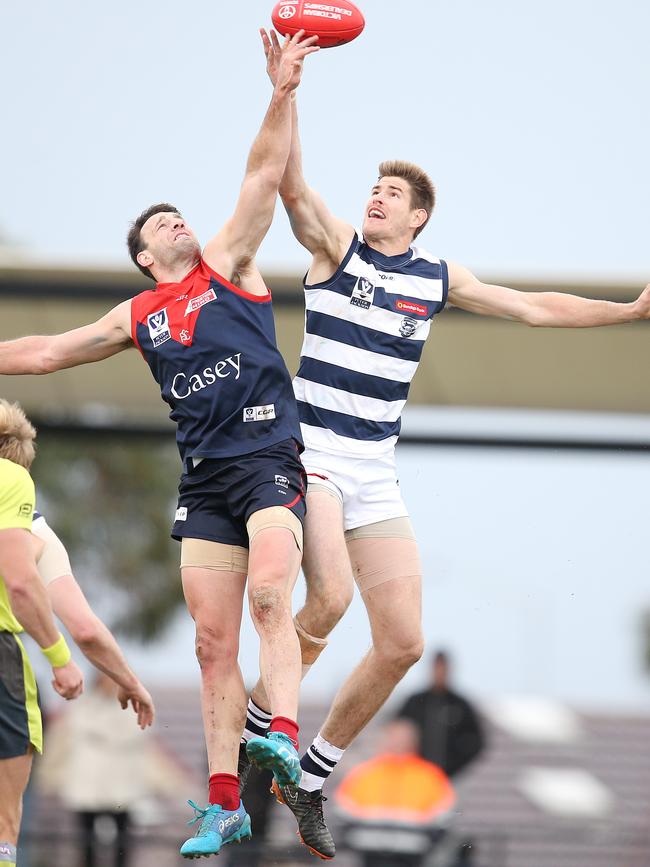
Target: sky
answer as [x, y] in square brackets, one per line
[531, 119]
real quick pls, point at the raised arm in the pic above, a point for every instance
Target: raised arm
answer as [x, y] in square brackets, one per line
[325, 236]
[38, 355]
[540, 309]
[233, 249]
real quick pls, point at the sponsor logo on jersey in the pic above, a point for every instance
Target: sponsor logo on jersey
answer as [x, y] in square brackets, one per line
[412, 307]
[408, 327]
[158, 325]
[181, 514]
[25, 510]
[183, 384]
[362, 294]
[195, 303]
[259, 413]
[281, 481]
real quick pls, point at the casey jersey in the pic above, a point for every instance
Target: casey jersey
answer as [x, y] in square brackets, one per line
[211, 348]
[16, 510]
[365, 329]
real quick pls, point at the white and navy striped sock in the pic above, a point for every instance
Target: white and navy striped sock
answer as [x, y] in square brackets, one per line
[257, 722]
[318, 763]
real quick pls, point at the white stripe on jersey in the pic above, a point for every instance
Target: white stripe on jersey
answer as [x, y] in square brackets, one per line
[426, 289]
[322, 439]
[386, 321]
[359, 360]
[327, 397]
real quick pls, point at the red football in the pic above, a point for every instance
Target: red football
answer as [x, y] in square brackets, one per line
[334, 23]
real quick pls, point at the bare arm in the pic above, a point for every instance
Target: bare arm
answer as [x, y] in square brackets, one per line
[233, 249]
[101, 339]
[98, 644]
[540, 309]
[325, 236]
[31, 606]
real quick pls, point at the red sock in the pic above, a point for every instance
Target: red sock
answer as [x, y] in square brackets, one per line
[287, 726]
[224, 790]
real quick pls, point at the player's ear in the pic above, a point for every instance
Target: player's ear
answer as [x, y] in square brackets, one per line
[144, 258]
[419, 218]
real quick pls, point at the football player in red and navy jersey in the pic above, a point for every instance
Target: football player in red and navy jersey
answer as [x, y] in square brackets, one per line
[206, 331]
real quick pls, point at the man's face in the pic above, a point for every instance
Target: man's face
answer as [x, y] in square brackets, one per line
[389, 212]
[166, 238]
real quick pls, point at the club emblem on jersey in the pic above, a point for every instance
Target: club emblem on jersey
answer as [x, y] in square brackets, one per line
[408, 327]
[185, 336]
[362, 294]
[158, 325]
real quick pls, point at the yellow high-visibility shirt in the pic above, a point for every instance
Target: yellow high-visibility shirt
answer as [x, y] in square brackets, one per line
[17, 498]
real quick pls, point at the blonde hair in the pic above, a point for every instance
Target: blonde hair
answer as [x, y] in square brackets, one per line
[17, 435]
[423, 193]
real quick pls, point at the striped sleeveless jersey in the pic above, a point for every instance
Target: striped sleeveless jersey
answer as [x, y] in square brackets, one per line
[365, 329]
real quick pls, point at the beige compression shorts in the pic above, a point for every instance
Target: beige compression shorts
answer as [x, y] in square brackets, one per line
[221, 557]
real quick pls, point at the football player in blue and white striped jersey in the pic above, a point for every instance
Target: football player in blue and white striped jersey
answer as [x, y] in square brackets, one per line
[370, 298]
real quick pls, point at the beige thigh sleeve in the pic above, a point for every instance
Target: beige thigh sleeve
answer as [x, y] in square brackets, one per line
[53, 562]
[377, 559]
[214, 555]
[275, 516]
[315, 485]
[393, 528]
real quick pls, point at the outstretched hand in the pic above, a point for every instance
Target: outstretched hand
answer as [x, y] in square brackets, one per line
[284, 62]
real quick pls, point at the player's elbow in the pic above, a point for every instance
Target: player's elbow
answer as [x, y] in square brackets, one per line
[86, 633]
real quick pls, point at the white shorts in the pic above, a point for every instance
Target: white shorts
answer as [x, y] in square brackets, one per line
[368, 488]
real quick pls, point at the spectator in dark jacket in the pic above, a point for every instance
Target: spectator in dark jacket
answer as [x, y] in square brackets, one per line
[451, 735]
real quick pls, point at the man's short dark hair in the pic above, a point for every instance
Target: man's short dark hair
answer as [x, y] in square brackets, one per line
[134, 238]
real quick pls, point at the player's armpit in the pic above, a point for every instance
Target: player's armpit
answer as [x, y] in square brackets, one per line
[315, 227]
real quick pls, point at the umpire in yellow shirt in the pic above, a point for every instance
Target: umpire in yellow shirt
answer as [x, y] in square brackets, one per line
[24, 605]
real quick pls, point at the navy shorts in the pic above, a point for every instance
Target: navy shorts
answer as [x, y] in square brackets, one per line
[216, 498]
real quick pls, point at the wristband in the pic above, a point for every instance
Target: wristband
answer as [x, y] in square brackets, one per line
[58, 654]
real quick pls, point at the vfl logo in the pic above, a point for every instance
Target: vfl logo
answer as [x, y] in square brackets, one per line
[195, 303]
[408, 327]
[287, 11]
[362, 294]
[259, 413]
[158, 325]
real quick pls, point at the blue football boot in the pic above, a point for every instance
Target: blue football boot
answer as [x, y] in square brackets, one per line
[218, 827]
[276, 752]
